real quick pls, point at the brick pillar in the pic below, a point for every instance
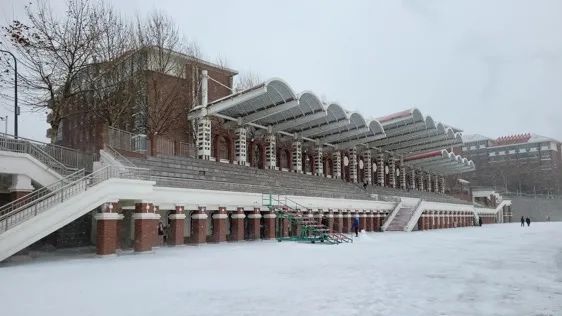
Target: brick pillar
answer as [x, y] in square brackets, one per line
[338, 222]
[362, 221]
[199, 226]
[219, 225]
[376, 217]
[328, 220]
[369, 226]
[107, 237]
[237, 225]
[421, 222]
[254, 220]
[285, 224]
[146, 226]
[177, 225]
[268, 219]
[346, 228]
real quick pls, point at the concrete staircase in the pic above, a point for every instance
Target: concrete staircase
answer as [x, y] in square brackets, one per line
[212, 175]
[400, 221]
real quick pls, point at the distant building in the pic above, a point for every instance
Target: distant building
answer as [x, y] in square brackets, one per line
[525, 163]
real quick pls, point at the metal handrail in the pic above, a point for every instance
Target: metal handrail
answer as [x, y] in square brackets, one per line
[24, 200]
[62, 159]
[120, 157]
[41, 203]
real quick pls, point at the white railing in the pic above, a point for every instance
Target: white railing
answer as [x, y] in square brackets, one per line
[391, 216]
[61, 159]
[30, 206]
[418, 210]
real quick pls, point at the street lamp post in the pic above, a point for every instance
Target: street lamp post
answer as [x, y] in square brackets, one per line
[16, 108]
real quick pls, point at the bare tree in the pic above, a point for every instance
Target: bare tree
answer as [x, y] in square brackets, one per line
[51, 52]
[246, 80]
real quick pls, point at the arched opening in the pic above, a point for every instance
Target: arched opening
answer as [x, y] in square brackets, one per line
[360, 170]
[345, 168]
[284, 158]
[328, 167]
[257, 155]
[222, 148]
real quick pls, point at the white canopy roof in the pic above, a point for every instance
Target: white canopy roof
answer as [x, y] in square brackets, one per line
[274, 106]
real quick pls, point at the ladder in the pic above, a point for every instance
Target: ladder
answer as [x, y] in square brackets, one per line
[307, 229]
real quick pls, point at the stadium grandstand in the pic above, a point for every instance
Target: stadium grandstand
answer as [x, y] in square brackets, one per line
[263, 163]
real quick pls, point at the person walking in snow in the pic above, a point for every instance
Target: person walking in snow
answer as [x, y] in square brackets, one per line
[355, 225]
[522, 221]
[161, 232]
[528, 220]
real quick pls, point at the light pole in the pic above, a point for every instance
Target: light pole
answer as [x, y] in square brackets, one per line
[16, 108]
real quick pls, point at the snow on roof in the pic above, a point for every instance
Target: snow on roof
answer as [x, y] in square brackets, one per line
[473, 138]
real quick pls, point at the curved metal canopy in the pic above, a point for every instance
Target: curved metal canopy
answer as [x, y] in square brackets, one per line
[274, 106]
[440, 162]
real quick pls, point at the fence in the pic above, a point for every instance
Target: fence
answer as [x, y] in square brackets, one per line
[158, 145]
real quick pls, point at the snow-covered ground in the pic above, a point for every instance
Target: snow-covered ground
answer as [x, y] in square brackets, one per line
[493, 270]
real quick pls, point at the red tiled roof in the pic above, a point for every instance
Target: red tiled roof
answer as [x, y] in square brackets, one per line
[513, 139]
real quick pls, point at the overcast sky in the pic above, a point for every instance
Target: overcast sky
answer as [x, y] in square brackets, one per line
[486, 66]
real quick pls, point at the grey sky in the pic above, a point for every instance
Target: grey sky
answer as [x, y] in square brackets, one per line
[488, 67]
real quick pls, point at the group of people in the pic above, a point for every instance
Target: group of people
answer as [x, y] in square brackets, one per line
[525, 220]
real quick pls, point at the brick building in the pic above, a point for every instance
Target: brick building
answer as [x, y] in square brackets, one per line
[139, 94]
[526, 163]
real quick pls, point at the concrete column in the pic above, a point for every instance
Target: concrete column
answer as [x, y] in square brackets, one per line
[420, 180]
[254, 220]
[442, 186]
[237, 225]
[380, 170]
[199, 226]
[297, 156]
[270, 152]
[107, 237]
[241, 147]
[392, 172]
[268, 219]
[146, 226]
[204, 138]
[338, 222]
[367, 167]
[177, 226]
[219, 225]
[413, 179]
[336, 160]
[353, 164]
[318, 162]
[429, 186]
[436, 184]
[21, 186]
[402, 175]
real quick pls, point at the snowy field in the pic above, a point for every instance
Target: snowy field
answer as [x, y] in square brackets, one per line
[493, 270]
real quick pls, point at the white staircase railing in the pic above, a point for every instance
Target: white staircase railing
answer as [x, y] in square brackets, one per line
[391, 216]
[61, 159]
[415, 216]
[30, 206]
